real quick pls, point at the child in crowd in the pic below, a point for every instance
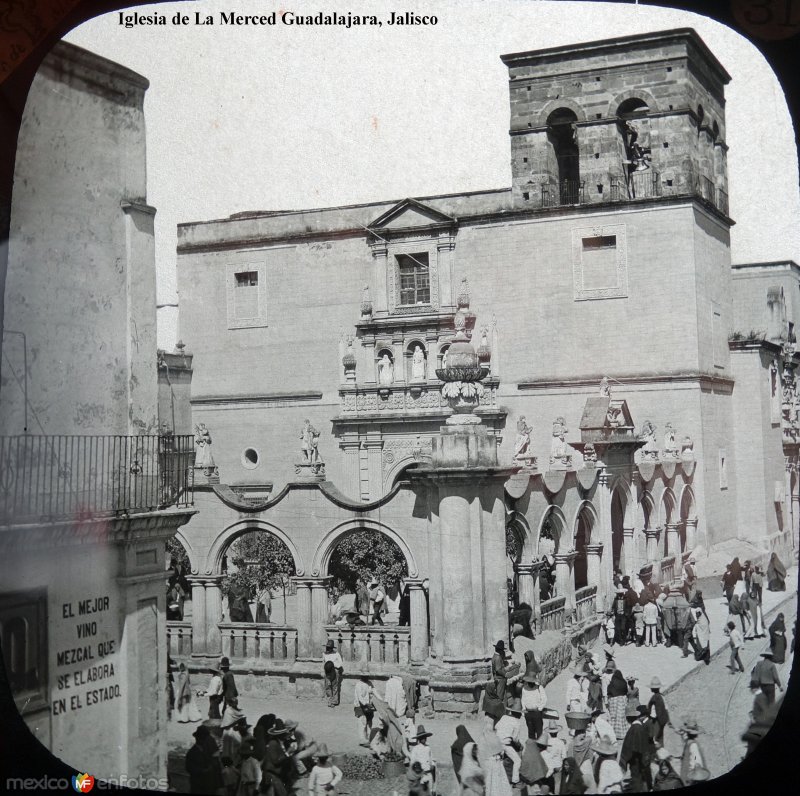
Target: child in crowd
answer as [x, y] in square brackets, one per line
[324, 776]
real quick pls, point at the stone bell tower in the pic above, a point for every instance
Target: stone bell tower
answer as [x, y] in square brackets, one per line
[636, 117]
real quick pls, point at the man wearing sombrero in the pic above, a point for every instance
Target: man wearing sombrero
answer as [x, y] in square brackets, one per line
[422, 759]
[765, 676]
[278, 767]
[638, 749]
[507, 730]
[692, 757]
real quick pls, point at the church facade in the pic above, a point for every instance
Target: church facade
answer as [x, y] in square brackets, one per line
[638, 384]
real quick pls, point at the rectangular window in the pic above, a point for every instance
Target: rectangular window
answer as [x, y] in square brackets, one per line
[23, 637]
[245, 299]
[415, 282]
[600, 242]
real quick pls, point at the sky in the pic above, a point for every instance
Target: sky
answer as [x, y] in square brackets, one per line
[286, 117]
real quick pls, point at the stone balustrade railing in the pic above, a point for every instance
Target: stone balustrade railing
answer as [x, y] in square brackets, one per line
[386, 644]
[179, 638]
[586, 603]
[258, 641]
[552, 614]
[667, 569]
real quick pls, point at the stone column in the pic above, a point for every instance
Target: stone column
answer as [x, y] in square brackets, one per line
[594, 557]
[691, 533]
[631, 565]
[380, 274]
[399, 361]
[369, 373]
[603, 506]
[304, 640]
[319, 617]
[430, 348]
[419, 621]
[352, 470]
[213, 615]
[565, 582]
[673, 540]
[199, 630]
[653, 556]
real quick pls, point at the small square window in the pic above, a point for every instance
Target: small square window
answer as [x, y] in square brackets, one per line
[526, 195]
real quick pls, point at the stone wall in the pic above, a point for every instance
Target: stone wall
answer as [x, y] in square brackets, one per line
[83, 292]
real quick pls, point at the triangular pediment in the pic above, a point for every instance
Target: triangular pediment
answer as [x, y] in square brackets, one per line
[604, 412]
[409, 214]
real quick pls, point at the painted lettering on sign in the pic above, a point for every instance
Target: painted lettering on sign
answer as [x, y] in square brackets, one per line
[90, 655]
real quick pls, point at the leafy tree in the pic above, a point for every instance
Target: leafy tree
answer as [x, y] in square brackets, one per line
[260, 559]
[180, 560]
[513, 548]
[362, 555]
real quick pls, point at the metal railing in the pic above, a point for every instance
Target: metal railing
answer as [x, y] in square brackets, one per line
[179, 638]
[46, 478]
[552, 614]
[638, 185]
[242, 640]
[586, 603]
[566, 192]
[372, 644]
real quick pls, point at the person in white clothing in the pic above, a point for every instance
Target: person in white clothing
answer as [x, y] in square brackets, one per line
[362, 708]
[333, 673]
[577, 691]
[507, 730]
[214, 694]
[534, 701]
[421, 755]
[324, 776]
[606, 770]
[395, 696]
[601, 729]
[556, 750]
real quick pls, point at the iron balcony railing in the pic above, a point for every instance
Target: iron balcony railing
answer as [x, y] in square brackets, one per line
[566, 192]
[47, 478]
[638, 185]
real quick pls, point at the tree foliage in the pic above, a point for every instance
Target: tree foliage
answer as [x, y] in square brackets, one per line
[177, 552]
[364, 555]
[260, 559]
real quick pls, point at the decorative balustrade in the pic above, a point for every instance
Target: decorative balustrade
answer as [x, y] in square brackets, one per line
[258, 641]
[386, 644]
[552, 614]
[639, 185]
[52, 477]
[179, 638]
[567, 192]
[586, 603]
[667, 569]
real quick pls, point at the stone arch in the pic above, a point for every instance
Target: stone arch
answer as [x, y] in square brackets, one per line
[325, 548]
[631, 94]
[559, 522]
[622, 512]
[584, 533]
[554, 105]
[518, 523]
[190, 551]
[229, 535]
[399, 465]
[667, 507]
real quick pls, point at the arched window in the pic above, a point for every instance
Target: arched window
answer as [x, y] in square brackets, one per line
[633, 124]
[562, 134]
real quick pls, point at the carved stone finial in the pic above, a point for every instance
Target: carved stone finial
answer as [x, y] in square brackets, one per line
[349, 360]
[463, 295]
[366, 302]
[484, 351]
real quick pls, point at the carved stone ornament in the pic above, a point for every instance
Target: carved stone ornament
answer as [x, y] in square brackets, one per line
[366, 302]
[560, 458]
[605, 390]
[648, 434]
[670, 446]
[687, 449]
[309, 441]
[203, 460]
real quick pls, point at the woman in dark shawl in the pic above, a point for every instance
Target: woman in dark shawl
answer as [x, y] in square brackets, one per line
[595, 698]
[492, 704]
[617, 692]
[522, 616]
[261, 735]
[531, 664]
[777, 639]
[571, 778]
[776, 574]
[736, 569]
[667, 778]
[457, 749]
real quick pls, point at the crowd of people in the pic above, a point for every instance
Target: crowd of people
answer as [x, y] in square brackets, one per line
[611, 741]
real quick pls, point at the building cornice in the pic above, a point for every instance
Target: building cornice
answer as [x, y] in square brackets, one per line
[704, 380]
[303, 396]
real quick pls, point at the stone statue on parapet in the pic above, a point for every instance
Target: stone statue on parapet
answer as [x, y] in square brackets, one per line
[309, 441]
[670, 446]
[559, 450]
[523, 441]
[648, 434]
[385, 371]
[605, 390]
